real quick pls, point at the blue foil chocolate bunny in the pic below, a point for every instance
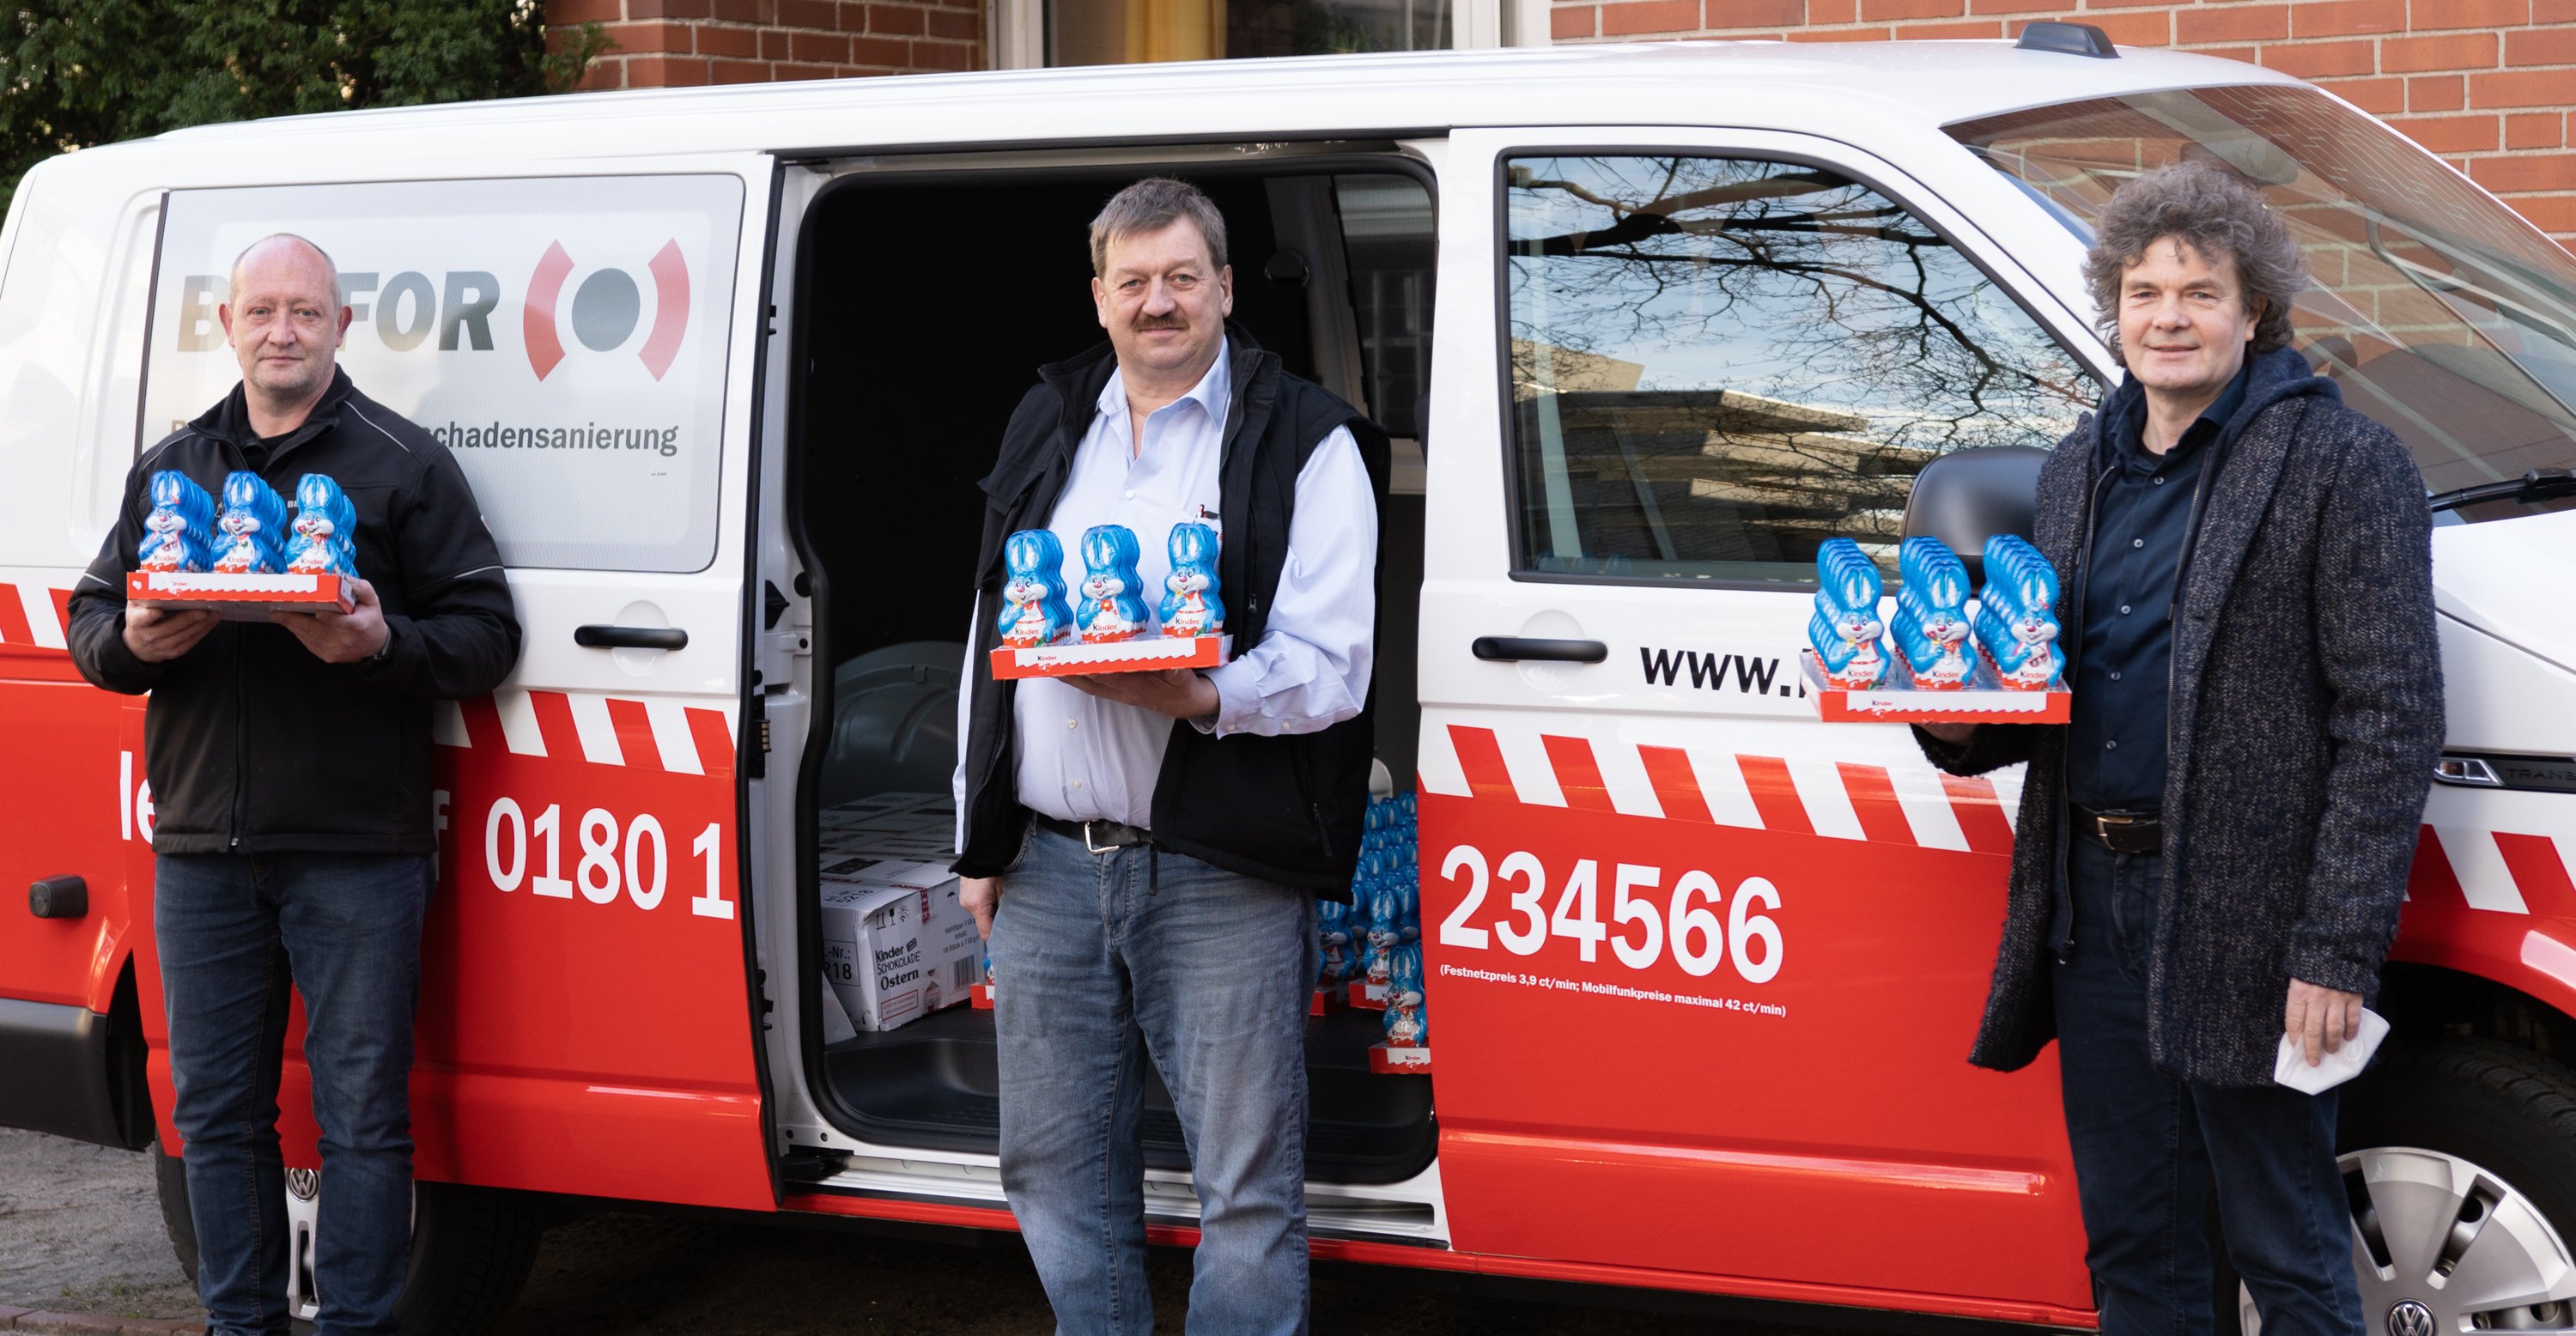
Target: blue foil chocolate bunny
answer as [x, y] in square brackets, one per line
[1845, 630]
[179, 534]
[1406, 1024]
[1190, 603]
[2017, 615]
[1111, 610]
[1034, 610]
[1333, 927]
[326, 529]
[1931, 622]
[1384, 932]
[253, 525]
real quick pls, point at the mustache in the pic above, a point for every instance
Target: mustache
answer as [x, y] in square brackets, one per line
[1160, 323]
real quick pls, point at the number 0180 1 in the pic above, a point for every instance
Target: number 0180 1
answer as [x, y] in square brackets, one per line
[630, 858]
[1643, 918]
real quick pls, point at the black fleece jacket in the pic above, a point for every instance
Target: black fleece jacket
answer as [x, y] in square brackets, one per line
[252, 744]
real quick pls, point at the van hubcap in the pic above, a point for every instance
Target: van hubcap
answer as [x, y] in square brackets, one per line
[2441, 1245]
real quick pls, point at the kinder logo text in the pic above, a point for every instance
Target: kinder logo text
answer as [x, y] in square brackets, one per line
[601, 313]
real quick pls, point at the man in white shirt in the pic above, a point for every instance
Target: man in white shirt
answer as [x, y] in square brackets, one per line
[1144, 850]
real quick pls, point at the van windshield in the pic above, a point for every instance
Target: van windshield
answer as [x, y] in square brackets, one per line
[2438, 311]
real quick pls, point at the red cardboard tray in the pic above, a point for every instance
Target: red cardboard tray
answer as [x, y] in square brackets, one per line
[1388, 1057]
[238, 597]
[1125, 656]
[1898, 701]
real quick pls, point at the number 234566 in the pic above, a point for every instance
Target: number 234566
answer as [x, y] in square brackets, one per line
[1644, 916]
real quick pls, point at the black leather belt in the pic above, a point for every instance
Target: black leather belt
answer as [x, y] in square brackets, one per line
[1099, 837]
[2120, 832]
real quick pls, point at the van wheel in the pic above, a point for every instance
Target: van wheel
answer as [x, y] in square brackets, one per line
[471, 1249]
[2459, 1159]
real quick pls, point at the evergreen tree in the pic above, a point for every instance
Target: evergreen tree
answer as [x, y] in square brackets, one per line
[79, 72]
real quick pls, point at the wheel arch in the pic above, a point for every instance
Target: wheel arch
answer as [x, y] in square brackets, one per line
[2431, 999]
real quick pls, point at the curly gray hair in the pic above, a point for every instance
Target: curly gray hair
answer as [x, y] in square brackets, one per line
[1151, 205]
[2216, 215]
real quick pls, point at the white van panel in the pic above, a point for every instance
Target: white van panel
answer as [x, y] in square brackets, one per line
[566, 339]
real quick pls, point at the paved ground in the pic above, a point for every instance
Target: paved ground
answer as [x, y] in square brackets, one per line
[80, 1231]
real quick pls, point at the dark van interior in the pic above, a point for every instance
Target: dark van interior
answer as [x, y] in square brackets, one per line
[927, 301]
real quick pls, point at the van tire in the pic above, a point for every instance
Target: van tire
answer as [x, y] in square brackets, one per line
[471, 1251]
[2506, 1110]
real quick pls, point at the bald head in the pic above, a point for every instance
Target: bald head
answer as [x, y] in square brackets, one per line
[285, 320]
[289, 249]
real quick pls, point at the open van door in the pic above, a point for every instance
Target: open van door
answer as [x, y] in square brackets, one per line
[584, 346]
[1703, 971]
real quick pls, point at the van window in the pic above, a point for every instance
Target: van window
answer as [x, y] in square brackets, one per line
[1718, 363]
[566, 339]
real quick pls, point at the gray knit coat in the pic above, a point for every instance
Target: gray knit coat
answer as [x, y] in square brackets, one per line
[2303, 725]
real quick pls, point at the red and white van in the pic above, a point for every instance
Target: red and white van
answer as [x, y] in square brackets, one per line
[1647, 322]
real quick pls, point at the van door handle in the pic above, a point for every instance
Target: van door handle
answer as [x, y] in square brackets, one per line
[630, 637]
[1504, 649]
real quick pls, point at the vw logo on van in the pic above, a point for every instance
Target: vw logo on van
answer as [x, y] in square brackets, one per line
[605, 309]
[2410, 1318]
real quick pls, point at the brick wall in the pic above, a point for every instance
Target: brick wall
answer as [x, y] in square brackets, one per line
[2488, 84]
[676, 43]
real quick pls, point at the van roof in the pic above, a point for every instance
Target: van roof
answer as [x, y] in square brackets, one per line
[1813, 87]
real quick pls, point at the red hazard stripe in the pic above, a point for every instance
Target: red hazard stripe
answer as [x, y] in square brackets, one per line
[1668, 771]
[2432, 874]
[13, 618]
[2537, 871]
[1873, 799]
[634, 733]
[63, 612]
[1480, 759]
[714, 738]
[555, 726]
[1980, 813]
[1578, 773]
[1775, 795]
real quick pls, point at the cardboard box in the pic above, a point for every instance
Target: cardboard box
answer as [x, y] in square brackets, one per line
[896, 944]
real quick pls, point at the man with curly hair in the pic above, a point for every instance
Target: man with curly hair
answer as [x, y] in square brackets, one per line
[2212, 853]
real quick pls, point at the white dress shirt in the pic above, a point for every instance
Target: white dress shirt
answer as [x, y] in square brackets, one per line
[1082, 758]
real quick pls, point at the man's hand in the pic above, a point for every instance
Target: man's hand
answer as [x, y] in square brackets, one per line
[1174, 693]
[1956, 735]
[156, 636]
[980, 896]
[2321, 1018]
[341, 637]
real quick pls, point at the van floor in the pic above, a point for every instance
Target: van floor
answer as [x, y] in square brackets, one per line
[931, 1084]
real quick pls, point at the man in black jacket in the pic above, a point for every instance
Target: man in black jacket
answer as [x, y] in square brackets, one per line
[290, 769]
[2212, 853]
[1144, 850]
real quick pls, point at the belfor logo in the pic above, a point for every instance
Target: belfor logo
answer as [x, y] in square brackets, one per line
[405, 310]
[605, 310]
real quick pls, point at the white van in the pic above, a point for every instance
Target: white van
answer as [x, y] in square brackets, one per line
[1647, 324]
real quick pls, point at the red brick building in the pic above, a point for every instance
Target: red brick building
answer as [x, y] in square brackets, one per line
[2488, 84]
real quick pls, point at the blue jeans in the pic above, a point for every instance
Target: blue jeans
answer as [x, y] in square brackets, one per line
[234, 930]
[1104, 964]
[2150, 1149]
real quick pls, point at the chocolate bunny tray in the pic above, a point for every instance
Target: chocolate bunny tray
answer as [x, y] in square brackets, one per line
[239, 597]
[1075, 659]
[1982, 699]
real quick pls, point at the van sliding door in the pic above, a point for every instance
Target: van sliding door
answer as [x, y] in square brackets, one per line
[573, 342]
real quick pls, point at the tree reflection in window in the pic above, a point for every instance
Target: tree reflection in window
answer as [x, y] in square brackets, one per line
[1719, 363]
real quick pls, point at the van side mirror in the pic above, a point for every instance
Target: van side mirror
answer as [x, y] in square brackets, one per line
[1968, 496]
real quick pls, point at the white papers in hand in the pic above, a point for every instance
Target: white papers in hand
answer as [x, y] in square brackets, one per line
[2291, 1067]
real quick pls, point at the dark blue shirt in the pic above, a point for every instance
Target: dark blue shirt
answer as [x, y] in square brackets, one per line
[2142, 514]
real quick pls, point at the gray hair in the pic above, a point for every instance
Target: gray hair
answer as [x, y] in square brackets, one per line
[2216, 215]
[1151, 205]
[339, 296]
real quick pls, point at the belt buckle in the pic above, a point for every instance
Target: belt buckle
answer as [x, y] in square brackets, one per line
[1087, 842]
